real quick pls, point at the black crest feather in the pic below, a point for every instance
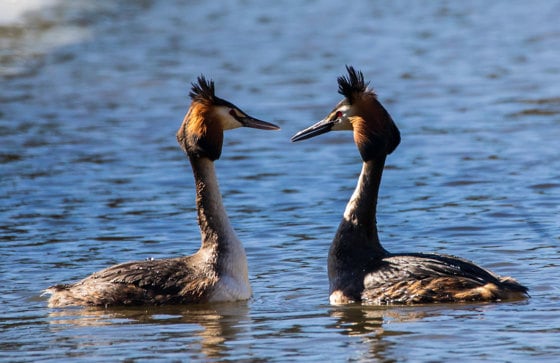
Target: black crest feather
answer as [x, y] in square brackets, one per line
[353, 84]
[203, 90]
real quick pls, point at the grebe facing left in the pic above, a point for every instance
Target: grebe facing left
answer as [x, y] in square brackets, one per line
[218, 270]
[360, 269]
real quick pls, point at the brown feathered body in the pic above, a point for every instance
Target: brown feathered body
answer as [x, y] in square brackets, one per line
[180, 280]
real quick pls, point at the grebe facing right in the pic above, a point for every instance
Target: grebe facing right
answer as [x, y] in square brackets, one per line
[218, 270]
[360, 269]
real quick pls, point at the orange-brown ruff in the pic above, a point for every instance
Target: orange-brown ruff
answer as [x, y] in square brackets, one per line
[360, 269]
[218, 270]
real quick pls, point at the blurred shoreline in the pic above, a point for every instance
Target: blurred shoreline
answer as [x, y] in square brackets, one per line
[14, 11]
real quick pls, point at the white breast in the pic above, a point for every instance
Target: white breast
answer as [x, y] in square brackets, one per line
[231, 289]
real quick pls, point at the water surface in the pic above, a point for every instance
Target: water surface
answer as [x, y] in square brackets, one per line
[91, 174]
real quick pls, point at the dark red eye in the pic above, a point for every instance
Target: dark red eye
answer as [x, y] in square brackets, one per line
[338, 114]
[232, 112]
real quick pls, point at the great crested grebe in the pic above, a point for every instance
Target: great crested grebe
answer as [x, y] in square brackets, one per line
[359, 268]
[218, 270]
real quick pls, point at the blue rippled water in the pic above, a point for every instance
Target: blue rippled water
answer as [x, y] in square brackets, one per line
[91, 174]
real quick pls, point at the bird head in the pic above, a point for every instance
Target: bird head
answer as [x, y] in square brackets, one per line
[201, 133]
[360, 111]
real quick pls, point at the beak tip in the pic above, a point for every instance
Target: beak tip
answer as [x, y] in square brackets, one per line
[294, 138]
[319, 128]
[259, 124]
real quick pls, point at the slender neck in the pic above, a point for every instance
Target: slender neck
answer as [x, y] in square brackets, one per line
[215, 227]
[358, 228]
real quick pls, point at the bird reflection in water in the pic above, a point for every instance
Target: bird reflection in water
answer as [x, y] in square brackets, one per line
[379, 325]
[202, 326]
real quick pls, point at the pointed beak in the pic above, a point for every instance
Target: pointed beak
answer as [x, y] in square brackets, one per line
[253, 123]
[319, 128]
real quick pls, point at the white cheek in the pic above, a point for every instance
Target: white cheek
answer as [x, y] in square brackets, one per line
[344, 124]
[227, 120]
[344, 109]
